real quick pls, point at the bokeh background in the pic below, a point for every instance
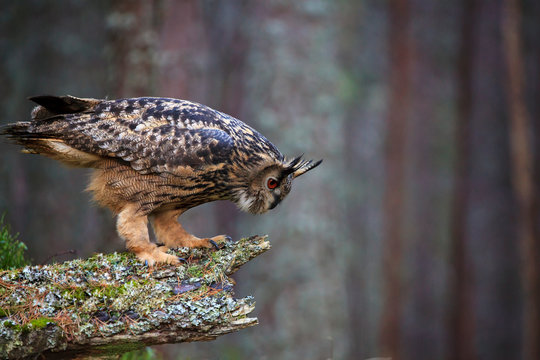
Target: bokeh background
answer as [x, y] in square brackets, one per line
[417, 238]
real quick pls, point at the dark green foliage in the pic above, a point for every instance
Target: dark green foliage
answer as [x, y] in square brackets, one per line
[144, 354]
[11, 249]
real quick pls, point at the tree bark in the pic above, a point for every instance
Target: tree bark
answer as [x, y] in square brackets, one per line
[400, 84]
[110, 304]
[522, 177]
[461, 319]
[349, 54]
[133, 27]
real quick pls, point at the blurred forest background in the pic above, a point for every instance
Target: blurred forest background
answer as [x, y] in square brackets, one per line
[417, 238]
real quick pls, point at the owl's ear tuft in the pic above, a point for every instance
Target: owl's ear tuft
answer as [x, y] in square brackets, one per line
[298, 167]
[305, 166]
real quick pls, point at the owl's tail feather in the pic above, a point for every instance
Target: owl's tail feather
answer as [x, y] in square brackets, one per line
[42, 134]
[18, 132]
[34, 142]
[50, 109]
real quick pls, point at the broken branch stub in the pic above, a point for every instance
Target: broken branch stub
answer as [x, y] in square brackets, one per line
[109, 304]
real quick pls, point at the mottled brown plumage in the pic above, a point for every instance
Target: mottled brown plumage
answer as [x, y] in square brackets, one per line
[157, 157]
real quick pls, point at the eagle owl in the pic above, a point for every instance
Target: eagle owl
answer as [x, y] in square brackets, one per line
[155, 158]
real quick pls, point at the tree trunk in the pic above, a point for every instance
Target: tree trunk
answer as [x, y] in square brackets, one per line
[522, 177]
[461, 319]
[133, 27]
[400, 83]
[349, 53]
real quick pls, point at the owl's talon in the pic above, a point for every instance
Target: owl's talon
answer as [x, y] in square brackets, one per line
[214, 244]
[228, 238]
[159, 244]
[181, 259]
[145, 262]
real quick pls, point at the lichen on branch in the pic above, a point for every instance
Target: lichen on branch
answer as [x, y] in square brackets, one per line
[108, 302]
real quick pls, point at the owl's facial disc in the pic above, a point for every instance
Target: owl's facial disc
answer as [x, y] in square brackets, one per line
[264, 192]
[279, 191]
[272, 191]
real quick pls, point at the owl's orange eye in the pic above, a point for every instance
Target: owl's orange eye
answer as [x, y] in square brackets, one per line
[271, 183]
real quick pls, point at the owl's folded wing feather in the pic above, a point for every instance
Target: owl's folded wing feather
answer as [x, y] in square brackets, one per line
[176, 152]
[154, 135]
[162, 149]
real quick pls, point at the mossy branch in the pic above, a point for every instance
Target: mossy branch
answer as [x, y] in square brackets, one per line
[110, 304]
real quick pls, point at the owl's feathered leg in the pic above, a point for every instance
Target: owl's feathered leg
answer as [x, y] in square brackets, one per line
[132, 227]
[170, 233]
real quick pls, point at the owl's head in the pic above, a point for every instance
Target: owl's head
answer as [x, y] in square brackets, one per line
[270, 183]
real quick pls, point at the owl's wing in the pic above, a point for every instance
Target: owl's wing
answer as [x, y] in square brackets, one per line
[155, 135]
[174, 151]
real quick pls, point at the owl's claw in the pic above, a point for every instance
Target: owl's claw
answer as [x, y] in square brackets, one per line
[181, 259]
[214, 244]
[220, 241]
[145, 262]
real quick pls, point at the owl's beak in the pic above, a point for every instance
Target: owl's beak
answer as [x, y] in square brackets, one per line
[277, 200]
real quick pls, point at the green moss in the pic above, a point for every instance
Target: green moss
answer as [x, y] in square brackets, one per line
[110, 292]
[77, 293]
[32, 325]
[9, 324]
[195, 271]
[39, 323]
[83, 293]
